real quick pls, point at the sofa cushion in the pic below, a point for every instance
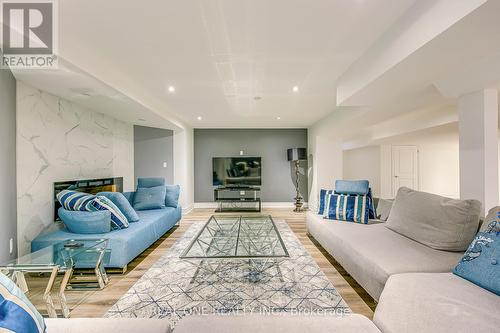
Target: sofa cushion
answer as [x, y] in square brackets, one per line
[277, 323]
[384, 207]
[150, 198]
[359, 187]
[371, 253]
[172, 195]
[102, 325]
[481, 263]
[433, 220]
[17, 314]
[150, 182]
[322, 198]
[352, 208]
[118, 220]
[74, 200]
[415, 303]
[86, 222]
[123, 205]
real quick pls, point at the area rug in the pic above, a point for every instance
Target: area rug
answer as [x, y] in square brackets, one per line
[173, 288]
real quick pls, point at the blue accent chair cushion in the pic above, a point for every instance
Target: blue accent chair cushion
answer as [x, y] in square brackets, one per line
[359, 187]
[123, 204]
[481, 262]
[74, 200]
[118, 220]
[17, 314]
[150, 182]
[86, 222]
[172, 195]
[342, 207]
[322, 196]
[150, 198]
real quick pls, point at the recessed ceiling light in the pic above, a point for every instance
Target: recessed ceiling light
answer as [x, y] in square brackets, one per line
[199, 118]
[171, 89]
[278, 118]
[295, 89]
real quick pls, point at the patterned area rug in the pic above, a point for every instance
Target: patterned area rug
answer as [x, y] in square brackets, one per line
[176, 287]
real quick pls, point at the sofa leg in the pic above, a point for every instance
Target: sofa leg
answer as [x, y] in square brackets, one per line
[124, 269]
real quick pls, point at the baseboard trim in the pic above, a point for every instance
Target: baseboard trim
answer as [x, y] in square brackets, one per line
[264, 205]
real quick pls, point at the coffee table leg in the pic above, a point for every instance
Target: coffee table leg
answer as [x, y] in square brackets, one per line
[62, 288]
[20, 281]
[100, 272]
[47, 295]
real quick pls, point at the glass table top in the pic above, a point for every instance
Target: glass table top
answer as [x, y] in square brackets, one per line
[237, 237]
[61, 254]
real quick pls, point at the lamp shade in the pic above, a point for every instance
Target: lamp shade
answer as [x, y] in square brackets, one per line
[297, 154]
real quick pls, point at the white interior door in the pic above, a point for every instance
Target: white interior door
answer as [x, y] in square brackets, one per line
[404, 167]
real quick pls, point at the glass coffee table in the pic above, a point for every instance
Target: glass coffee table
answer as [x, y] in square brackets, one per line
[60, 258]
[237, 237]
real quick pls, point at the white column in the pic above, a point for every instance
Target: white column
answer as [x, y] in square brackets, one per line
[184, 167]
[478, 128]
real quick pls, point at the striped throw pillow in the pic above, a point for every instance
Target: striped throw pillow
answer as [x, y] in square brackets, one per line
[118, 219]
[322, 197]
[353, 208]
[74, 200]
[17, 314]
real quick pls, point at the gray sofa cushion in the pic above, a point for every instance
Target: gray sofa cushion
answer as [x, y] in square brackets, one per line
[415, 303]
[103, 325]
[285, 323]
[433, 220]
[371, 253]
[384, 207]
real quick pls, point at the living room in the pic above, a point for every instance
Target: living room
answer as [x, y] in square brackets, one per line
[251, 166]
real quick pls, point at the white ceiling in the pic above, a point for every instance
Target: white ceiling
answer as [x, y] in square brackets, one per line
[221, 54]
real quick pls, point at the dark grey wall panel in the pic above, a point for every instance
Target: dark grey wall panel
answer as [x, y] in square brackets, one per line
[270, 144]
[152, 148]
[8, 203]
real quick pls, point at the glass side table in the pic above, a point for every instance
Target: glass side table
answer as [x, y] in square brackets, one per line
[58, 258]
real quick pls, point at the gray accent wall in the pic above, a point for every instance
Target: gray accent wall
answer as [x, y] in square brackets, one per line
[8, 204]
[271, 144]
[152, 148]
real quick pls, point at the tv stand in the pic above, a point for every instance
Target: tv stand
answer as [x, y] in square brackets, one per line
[237, 199]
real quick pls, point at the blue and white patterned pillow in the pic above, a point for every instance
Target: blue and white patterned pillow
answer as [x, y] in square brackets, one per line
[17, 314]
[74, 200]
[481, 262]
[118, 219]
[322, 196]
[352, 208]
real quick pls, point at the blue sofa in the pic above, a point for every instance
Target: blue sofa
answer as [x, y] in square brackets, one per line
[125, 244]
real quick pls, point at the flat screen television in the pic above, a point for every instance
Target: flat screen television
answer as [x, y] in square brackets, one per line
[237, 171]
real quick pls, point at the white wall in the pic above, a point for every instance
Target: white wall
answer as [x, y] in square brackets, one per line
[364, 163]
[438, 161]
[58, 140]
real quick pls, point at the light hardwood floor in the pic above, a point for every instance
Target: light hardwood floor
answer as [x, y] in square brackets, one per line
[96, 303]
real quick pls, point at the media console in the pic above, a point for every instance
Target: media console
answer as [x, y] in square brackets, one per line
[237, 199]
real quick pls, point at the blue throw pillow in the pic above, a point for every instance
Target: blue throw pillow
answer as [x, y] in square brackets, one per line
[150, 182]
[123, 204]
[352, 208]
[172, 195]
[481, 262]
[86, 222]
[17, 314]
[359, 187]
[74, 200]
[118, 220]
[322, 196]
[150, 198]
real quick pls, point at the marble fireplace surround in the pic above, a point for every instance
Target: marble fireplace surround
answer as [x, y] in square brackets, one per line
[58, 140]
